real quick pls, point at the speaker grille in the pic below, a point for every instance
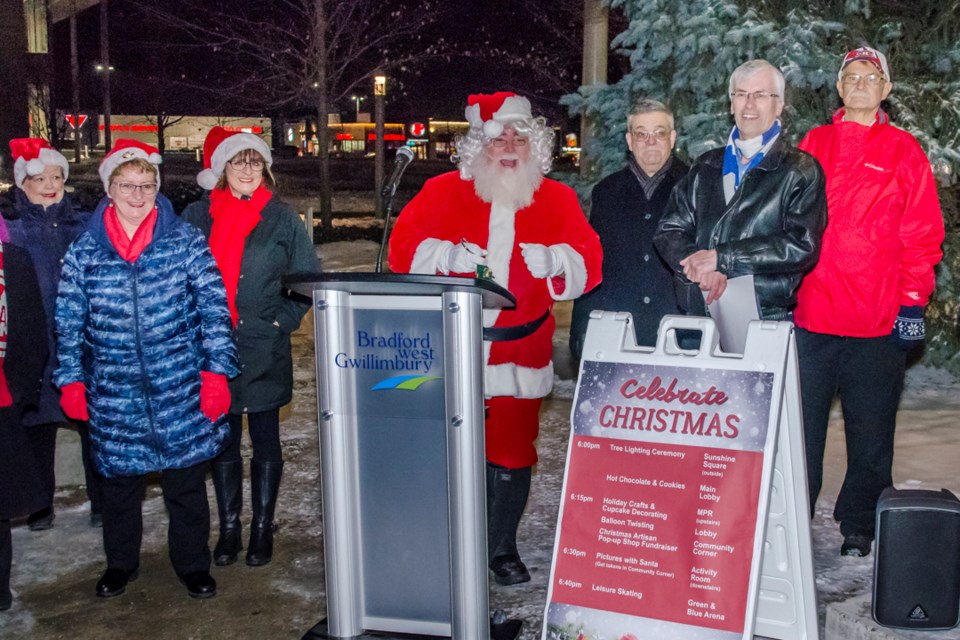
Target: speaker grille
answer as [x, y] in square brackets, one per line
[917, 568]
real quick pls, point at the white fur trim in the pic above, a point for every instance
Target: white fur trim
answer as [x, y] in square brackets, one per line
[509, 379]
[514, 108]
[226, 150]
[492, 129]
[120, 156]
[574, 271]
[22, 169]
[472, 114]
[431, 257]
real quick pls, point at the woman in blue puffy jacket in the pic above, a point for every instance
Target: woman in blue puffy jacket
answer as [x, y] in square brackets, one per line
[145, 350]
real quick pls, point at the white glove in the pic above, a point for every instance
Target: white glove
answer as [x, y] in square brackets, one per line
[463, 257]
[542, 261]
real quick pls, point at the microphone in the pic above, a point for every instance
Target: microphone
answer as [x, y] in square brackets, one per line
[403, 158]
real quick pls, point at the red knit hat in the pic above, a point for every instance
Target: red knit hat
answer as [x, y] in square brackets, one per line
[220, 146]
[125, 150]
[32, 155]
[490, 112]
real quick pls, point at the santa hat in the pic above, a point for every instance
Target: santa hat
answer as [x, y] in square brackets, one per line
[490, 112]
[32, 155]
[867, 54]
[125, 150]
[220, 146]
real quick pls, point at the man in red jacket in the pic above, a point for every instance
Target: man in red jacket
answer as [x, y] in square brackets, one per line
[499, 217]
[861, 309]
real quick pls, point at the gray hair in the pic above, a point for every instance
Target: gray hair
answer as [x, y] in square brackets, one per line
[752, 68]
[540, 137]
[649, 105]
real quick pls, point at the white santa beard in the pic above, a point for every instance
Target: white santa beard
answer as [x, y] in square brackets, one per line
[511, 187]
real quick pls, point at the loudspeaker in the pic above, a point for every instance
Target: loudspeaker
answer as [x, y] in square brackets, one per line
[916, 570]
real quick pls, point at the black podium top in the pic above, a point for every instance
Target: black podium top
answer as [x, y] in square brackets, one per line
[493, 295]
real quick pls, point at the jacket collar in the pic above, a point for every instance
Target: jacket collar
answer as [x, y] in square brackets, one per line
[770, 162]
[28, 210]
[166, 218]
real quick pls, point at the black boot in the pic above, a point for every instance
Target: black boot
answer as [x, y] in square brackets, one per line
[228, 483]
[264, 484]
[507, 491]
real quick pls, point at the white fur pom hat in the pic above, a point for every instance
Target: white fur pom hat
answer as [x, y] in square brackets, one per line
[32, 155]
[490, 112]
[125, 150]
[222, 145]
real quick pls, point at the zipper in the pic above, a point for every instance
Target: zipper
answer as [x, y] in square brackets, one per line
[144, 386]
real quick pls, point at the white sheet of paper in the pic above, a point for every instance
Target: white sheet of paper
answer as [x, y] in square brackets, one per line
[733, 313]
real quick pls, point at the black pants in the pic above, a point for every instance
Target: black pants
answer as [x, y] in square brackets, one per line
[264, 428]
[868, 374]
[43, 441]
[185, 495]
[6, 557]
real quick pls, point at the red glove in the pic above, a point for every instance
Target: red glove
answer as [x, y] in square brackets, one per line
[214, 395]
[73, 401]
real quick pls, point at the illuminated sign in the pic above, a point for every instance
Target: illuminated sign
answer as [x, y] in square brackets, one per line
[72, 121]
[244, 129]
[387, 136]
[137, 128]
[344, 136]
[417, 129]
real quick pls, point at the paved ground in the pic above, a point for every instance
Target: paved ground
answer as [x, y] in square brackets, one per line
[55, 571]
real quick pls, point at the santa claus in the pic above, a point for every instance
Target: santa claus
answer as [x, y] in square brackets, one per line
[499, 217]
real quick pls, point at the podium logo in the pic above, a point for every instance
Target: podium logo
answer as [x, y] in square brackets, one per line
[409, 383]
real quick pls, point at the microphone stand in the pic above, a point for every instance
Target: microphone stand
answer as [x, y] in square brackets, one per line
[387, 192]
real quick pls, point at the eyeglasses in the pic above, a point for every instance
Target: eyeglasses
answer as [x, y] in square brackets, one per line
[239, 165]
[758, 96]
[127, 188]
[500, 143]
[657, 135]
[872, 79]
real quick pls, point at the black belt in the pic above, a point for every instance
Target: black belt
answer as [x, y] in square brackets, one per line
[505, 334]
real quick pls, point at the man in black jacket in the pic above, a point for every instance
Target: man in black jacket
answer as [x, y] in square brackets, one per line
[757, 206]
[625, 210]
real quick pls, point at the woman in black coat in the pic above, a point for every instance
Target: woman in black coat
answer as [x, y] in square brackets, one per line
[256, 240]
[23, 350]
[42, 219]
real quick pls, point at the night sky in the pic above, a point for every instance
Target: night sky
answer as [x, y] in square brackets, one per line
[496, 37]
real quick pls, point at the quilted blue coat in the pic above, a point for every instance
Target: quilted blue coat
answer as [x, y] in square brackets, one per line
[138, 335]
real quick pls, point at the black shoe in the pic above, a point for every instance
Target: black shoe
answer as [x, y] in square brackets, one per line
[96, 520]
[228, 485]
[509, 570]
[114, 582]
[856, 545]
[41, 520]
[6, 600]
[200, 584]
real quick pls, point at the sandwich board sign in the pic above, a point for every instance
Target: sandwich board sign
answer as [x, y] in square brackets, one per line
[684, 511]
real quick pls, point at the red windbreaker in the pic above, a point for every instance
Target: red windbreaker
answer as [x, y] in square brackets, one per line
[884, 230]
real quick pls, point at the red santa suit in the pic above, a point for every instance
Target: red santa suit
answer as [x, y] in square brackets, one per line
[518, 373]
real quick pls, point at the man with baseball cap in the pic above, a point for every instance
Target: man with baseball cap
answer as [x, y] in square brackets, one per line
[860, 311]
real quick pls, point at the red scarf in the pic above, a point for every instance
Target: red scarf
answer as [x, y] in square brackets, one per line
[129, 248]
[5, 398]
[233, 220]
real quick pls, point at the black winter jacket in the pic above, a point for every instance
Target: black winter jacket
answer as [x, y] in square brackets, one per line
[45, 233]
[772, 227]
[635, 277]
[278, 246]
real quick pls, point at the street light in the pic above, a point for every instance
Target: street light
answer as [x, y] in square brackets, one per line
[379, 92]
[358, 100]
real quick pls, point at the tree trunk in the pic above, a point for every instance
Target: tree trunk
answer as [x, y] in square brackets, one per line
[15, 114]
[323, 109]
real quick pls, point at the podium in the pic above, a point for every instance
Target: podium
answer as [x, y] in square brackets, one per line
[400, 400]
